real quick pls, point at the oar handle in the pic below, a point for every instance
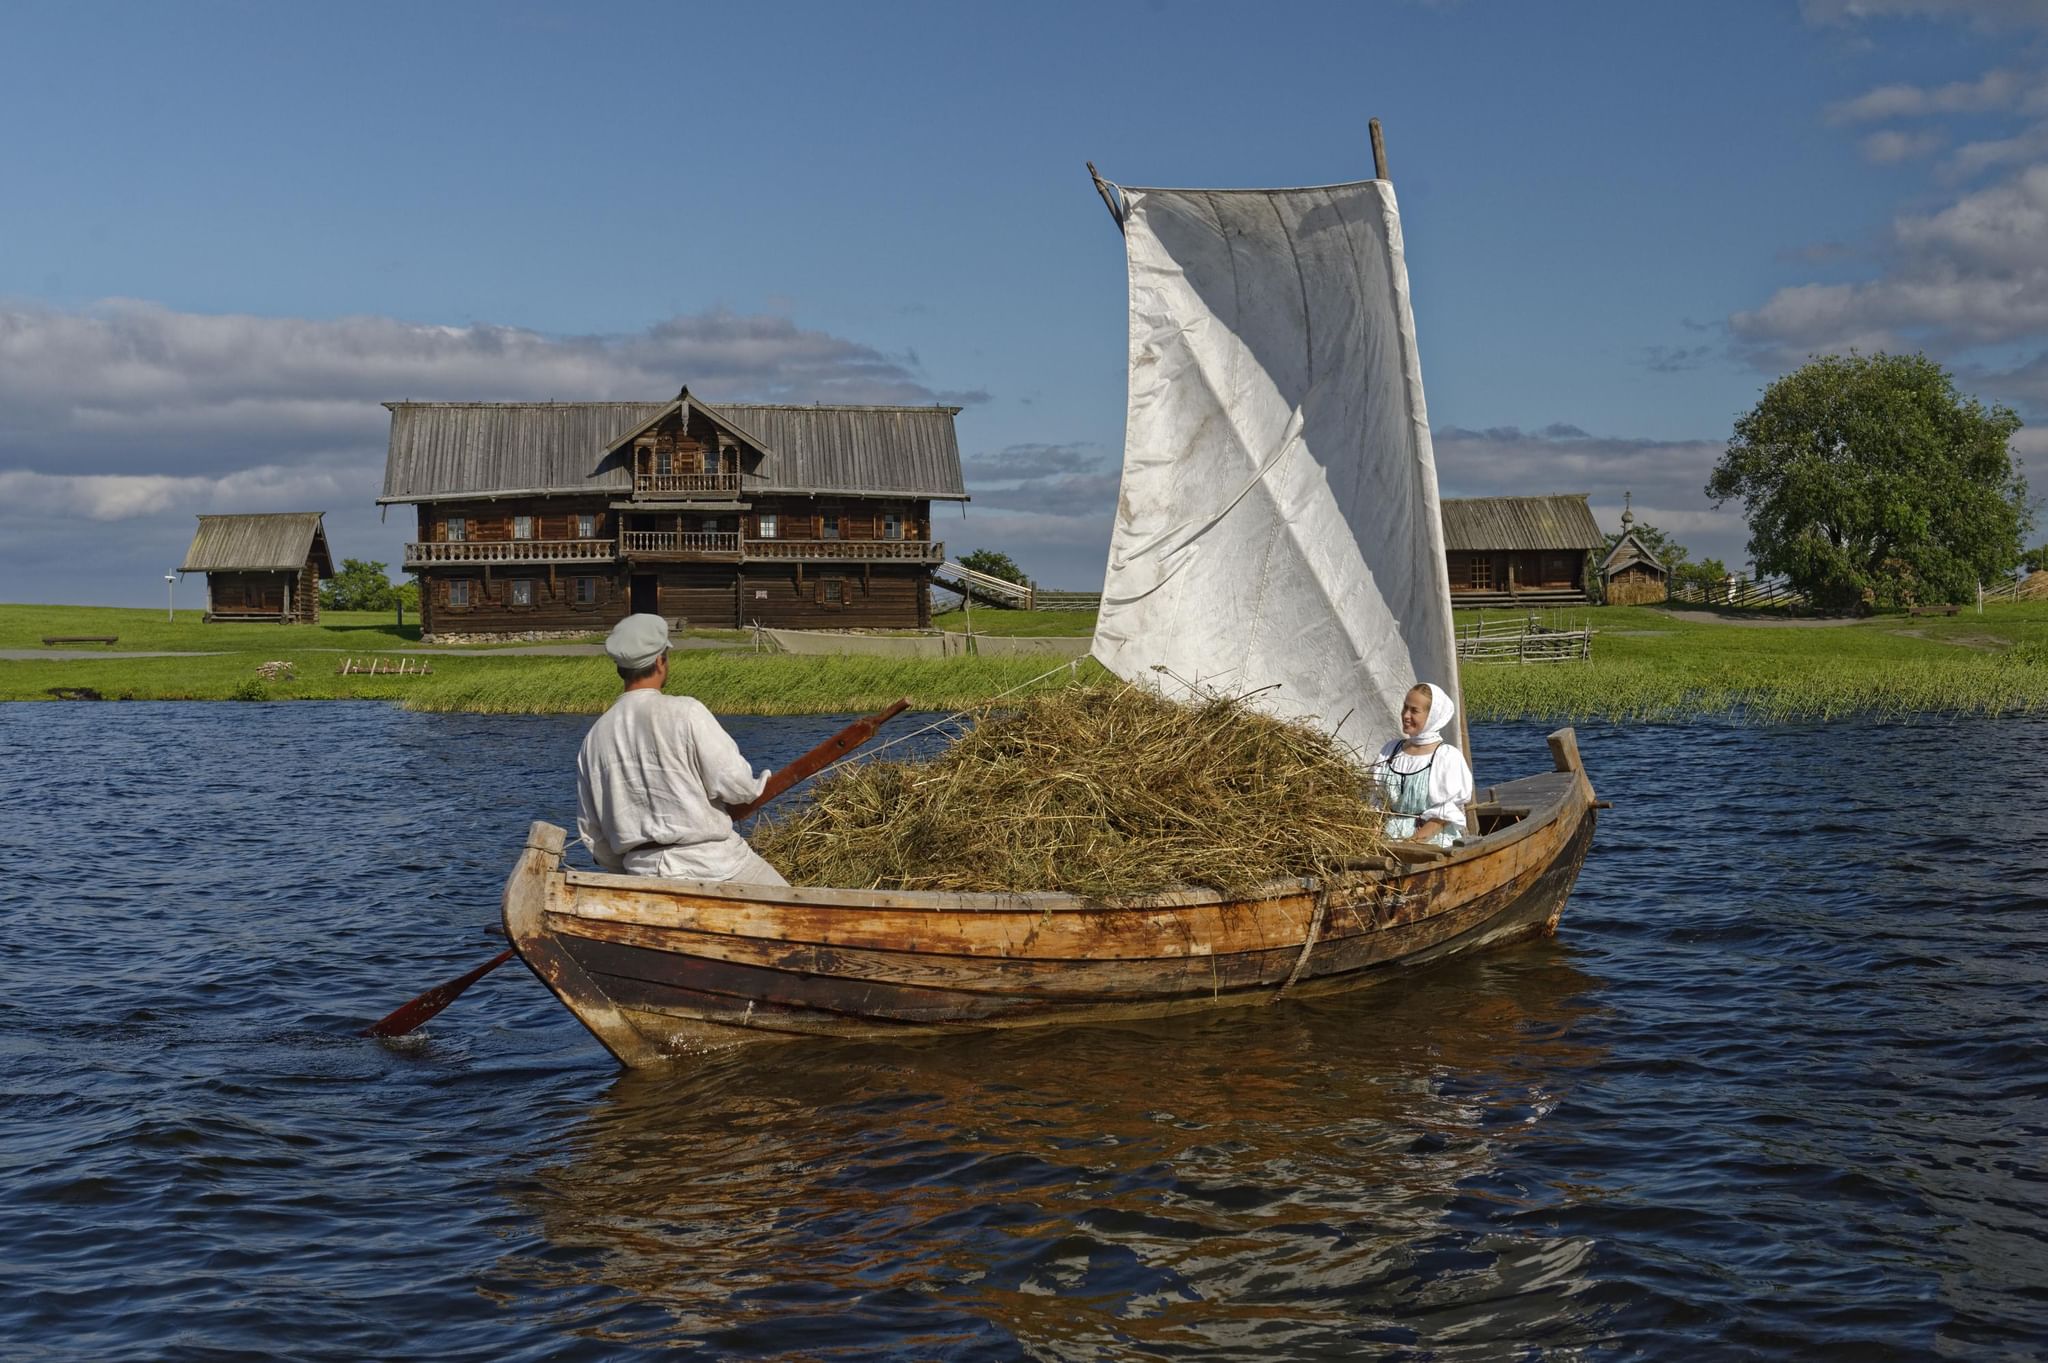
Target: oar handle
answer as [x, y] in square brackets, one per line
[819, 758]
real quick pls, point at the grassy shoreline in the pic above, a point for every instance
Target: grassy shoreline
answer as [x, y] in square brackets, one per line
[1648, 665]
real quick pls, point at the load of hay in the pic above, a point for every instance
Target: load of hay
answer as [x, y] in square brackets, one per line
[1093, 791]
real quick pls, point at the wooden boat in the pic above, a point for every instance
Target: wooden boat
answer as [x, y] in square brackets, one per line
[660, 968]
[1278, 535]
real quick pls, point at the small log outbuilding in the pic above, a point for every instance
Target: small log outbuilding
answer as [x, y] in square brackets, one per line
[1631, 575]
[1519, 551]
[262, 567]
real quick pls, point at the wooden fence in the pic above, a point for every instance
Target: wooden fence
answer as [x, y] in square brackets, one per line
[1742, 592]
[1522, 641]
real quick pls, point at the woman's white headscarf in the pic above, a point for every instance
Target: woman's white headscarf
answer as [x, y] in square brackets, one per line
[1442, 709]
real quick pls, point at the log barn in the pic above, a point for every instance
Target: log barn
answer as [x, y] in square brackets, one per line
[262, 567]
[1631, 575]
[564, 517]
[1519, 551]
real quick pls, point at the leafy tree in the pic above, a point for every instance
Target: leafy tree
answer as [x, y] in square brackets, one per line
[2036, 559]
[1868, 480]
[995, 564]
[362, 586]
[1710, 576]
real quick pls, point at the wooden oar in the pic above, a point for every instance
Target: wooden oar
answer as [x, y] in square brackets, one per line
[820, 757]
[409, 1015]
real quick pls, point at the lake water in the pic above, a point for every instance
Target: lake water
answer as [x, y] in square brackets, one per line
[1777, 1090]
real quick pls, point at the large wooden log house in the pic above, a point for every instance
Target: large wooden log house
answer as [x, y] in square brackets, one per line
[564, 517]
[262, 566]
[1519, 551]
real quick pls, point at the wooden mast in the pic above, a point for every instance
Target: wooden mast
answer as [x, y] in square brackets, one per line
[1379, 172]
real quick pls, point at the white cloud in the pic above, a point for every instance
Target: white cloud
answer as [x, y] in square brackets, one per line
[1988, 15]
[1974, 158]
[1974, 273]
[1884, 148]
[1993, 91]
[127, 496]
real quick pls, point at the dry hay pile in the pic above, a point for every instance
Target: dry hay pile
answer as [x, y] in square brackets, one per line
[1093, 791]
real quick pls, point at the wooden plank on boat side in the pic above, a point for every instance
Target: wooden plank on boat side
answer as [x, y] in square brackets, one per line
[1105, 933]
[1028, 977]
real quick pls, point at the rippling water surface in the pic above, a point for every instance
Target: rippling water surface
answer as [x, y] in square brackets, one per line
[1777, 1090]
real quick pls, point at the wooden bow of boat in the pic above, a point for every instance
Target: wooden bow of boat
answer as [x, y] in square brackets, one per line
[655, 968]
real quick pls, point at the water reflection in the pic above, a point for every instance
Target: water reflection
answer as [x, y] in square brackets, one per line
[1242, 1185]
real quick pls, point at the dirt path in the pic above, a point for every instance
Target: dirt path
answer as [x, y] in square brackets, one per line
[1761, 622]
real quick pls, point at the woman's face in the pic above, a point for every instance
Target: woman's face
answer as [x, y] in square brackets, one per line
[1414, 712]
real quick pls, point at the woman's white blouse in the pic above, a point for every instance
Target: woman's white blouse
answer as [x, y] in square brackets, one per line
[1450, 779]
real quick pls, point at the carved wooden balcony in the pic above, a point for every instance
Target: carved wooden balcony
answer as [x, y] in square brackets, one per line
[437, 552]
[689, 486]
[847, 551]
[680, 544]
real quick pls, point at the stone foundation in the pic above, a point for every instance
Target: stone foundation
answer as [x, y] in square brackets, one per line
[530, 636]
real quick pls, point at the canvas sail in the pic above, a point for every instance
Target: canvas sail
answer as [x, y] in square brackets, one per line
[1277, 525]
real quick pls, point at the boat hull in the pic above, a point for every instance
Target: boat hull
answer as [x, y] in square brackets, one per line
[660, 968]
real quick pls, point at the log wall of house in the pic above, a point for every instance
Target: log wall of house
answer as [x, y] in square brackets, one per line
[554, 518]
[1636, 585]
[835, 596]
[553, 605]
[805, 518]
[246, 596]
[1493, 570]
[704, 594]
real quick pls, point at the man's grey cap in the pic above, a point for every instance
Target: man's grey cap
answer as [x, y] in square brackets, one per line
[636, 641]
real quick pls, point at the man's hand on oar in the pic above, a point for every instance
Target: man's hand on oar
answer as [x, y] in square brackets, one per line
[410, 1015]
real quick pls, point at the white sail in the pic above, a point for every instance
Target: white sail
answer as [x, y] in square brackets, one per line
[1277, 525]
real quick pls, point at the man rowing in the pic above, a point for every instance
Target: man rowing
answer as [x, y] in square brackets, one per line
[657, 773]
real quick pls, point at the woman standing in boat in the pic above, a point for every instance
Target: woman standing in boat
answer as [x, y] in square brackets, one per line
[1424, 781]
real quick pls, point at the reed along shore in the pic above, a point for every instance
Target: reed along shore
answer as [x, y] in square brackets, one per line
[1647, 665]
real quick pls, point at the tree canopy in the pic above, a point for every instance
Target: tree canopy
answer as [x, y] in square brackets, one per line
[1869, 480]
[362, 586]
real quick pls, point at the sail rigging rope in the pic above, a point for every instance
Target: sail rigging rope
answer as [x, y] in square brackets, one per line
[943, 720]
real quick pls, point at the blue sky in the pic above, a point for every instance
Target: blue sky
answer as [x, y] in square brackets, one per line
[227, 231]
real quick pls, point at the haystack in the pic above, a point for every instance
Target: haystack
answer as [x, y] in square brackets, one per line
[1096, 791]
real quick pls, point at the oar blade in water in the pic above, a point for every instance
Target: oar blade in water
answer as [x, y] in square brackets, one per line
[407, 1016]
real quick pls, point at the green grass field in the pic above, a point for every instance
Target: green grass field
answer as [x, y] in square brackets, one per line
[1647, 665]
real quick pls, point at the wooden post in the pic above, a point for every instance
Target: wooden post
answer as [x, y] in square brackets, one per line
[1379, 151]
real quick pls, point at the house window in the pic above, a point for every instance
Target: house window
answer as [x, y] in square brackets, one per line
[586, 591]
[458, 592]
[522, 591]
[829, 527]
[768, 525]
[522, 527]
[711, 458]
[892, 526]
[1482, 571]
[458, 529]
[586, 527]
[664, 463]
[835, 591]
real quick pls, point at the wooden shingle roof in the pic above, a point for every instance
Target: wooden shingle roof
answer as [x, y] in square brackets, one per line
[441, 450]
[445, 450]
[1627, 552]
[279, 541]
[1561, 521]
